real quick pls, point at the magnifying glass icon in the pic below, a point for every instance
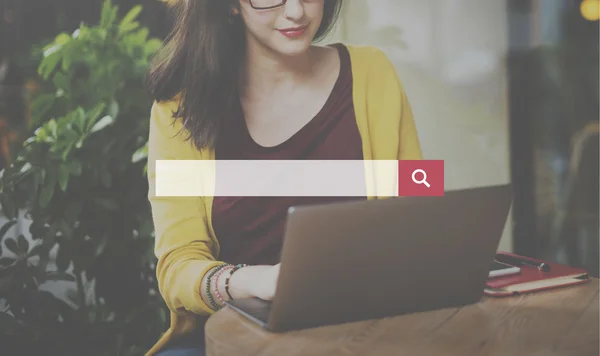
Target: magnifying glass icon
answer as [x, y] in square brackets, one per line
[422, 181]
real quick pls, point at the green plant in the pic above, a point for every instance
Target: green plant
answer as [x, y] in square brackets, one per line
[80, 180]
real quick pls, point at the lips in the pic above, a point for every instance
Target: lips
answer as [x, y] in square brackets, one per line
[293, 31]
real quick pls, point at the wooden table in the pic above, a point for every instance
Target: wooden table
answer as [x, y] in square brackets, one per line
[559, 322]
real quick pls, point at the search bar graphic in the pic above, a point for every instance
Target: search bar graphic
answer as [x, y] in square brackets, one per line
[306, 178]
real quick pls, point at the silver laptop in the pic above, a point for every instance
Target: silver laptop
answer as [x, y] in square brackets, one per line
[353, 261]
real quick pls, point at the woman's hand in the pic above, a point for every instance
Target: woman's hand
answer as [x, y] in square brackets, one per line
[255, 281]
[265, 284]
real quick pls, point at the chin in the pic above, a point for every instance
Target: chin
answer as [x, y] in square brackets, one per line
[292, 46]
[292, 49]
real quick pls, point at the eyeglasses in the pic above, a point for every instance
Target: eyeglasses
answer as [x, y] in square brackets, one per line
[266, 4]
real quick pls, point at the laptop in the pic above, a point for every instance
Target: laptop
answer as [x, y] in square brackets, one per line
[370, 259]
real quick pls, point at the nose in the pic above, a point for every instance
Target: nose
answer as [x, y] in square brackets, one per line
[294, 9]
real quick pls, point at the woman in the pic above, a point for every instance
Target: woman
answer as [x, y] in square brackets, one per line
[242, 79]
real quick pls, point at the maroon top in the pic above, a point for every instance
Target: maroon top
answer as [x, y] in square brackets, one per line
[250, 229]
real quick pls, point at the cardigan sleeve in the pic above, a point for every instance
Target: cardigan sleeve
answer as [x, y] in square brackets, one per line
[183, 243]
[390, 126]
[392, 109]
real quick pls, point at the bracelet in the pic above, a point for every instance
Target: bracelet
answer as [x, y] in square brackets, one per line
[229, 276]
[211, 300]
[216, 277]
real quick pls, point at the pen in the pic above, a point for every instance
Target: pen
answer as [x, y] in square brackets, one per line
[512, 260]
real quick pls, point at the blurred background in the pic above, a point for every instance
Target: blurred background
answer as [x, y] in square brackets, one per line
[502, 90]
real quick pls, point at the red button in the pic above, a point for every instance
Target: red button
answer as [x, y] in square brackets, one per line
[424, 178]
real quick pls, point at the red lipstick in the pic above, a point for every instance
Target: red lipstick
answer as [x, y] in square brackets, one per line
[293, 31]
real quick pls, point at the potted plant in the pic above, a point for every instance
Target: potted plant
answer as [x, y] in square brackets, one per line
[81, 282]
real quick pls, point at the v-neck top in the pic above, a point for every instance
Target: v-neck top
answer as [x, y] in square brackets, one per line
[250, 229]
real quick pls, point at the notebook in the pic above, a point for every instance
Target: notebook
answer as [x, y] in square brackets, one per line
[532, 279]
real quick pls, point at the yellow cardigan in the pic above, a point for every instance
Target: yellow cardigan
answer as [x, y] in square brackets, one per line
[186, 245]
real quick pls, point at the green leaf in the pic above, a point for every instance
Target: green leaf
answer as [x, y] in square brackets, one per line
[41, 135]
[108, 14]
[81, 30]
[105, 13]
[67, 60]
[113, 109]
[30, 141]
[128, 23]
[49, 63]
[67, 151]
[41, 104]
[140, 154]
[52, 128]
[102, 123]
[78, 115]
[131, 15]
[69, 135]
[9, 207]
[153, 46]
[25, 171]
[77, 118]
[63, 176]
[98, 35]
[62, 38]
[141, 36]
[12, 246]
[23, 244]
[61, 81]
[4, 229]
[50, 49]
[46, 195]
[96, 111]
[129, 27]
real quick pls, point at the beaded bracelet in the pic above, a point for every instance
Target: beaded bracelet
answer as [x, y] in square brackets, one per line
[229, 277]
[216, 287]
[211, 300]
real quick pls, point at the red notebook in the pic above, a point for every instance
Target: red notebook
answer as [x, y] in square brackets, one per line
[531, 279]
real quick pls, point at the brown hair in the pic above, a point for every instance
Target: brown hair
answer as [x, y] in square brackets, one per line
[201, 60]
